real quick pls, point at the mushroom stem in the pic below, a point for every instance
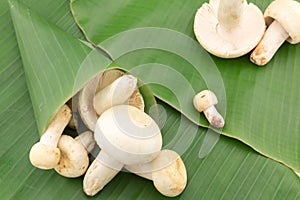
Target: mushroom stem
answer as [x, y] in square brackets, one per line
[87, 140]
[102, 170]
[115, 94]
[214, 117]
[56, 127]
[273, 38]
[230, 13]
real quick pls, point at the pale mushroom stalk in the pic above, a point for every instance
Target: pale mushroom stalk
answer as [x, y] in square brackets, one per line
[280, 15]
[102, 170]
[214, 117]
[126, 136]
[167, 171]
[230, 13]
[115, 94]
[45, 154]
[274, 37]
[87, 140]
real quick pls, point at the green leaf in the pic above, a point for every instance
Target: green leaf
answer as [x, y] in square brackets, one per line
[231, 171]
[261, 104]
[56, 64]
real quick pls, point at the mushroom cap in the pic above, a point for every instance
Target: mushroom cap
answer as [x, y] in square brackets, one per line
[43, 156]
[74, 159]
[128, 134]
[286, 12]
[228, 43]
[169, 173]
[204, 100]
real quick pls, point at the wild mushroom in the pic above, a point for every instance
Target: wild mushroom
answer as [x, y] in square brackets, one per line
[281, 16]
[229, 28]
[204, 102]
[74, 159]
[45, 154]
[167, 171]
[95, 86]
[126, 136]
[115, 94]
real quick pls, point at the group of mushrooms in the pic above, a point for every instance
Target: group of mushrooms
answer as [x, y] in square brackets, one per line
[112, 108]
[233, 28]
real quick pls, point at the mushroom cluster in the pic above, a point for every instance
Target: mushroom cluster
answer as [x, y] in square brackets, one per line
[233, 28]
[112, 109]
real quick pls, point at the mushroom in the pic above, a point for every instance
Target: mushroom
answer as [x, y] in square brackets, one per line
[115, 94]
[204, 102]
[229, 28]
[45, 154]
[74, 159]
[126, 136]
[167, 171]
[95, 86]
[281, 16]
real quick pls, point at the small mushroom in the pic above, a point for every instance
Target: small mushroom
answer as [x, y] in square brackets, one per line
[126, 136]
[281, 16]
[95, 86]
[74, 158]
[45, 154]
[204, 102]
[229, 28]
[115, 94]
[167, 171]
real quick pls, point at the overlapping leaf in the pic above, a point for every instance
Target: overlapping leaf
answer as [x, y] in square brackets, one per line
[261, 104]
[231, 171]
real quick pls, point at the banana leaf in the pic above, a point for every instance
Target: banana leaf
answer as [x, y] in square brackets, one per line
[231, 171]
[261, 105]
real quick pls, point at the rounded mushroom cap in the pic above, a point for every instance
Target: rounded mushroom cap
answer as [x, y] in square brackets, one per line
[169, 173]
[204, 100]
[74, 159]
[128, 134]
[286, 12]
[43, 156]
[228, 43]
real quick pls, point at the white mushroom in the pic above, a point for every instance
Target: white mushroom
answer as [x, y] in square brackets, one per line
[115, 94]
[167, 171]
[204, 102]
[45, 154]
[282, 17]
[126, 136]
[229, 28]
[96, 87]
[74, 159]
[298, 173]
[136, 100]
